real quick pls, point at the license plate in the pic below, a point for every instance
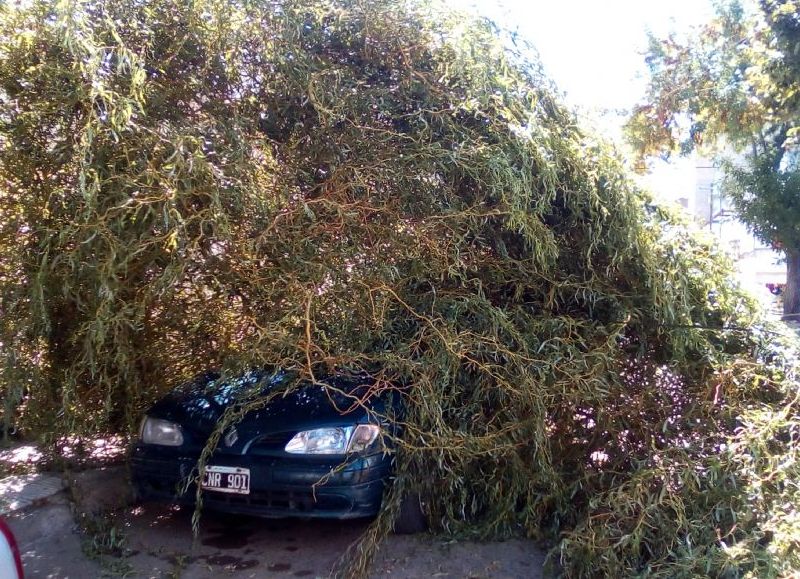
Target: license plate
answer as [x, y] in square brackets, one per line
[227, 479]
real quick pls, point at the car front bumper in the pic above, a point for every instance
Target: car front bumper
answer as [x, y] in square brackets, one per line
[279, 487]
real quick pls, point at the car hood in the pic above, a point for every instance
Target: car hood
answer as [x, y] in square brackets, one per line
[197, 406]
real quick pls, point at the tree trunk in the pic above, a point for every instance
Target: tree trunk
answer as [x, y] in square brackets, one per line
[791, 295]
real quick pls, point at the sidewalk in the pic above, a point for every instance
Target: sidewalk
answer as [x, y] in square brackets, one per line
[21, 491]
[155, 540]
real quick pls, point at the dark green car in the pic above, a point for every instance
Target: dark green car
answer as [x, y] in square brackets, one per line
[319, 451]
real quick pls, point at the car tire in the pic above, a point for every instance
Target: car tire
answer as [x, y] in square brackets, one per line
[411, 518]
[134, 494]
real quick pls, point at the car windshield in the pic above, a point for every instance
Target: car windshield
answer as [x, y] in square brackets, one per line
[210, 393]
[251, 383]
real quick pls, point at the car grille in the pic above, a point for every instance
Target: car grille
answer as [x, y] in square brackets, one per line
[270, 442]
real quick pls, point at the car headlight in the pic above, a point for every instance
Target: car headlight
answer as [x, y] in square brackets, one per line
[163, 432]
[338, 440]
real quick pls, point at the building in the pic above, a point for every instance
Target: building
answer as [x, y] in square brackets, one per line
[758, 264]
[694, 183]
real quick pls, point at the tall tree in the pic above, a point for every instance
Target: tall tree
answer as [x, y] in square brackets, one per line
[734, 85]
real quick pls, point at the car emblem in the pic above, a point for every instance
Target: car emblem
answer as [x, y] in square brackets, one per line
[231, 437]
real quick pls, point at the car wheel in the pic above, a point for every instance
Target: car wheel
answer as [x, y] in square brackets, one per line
[134, 494]
[411, 518]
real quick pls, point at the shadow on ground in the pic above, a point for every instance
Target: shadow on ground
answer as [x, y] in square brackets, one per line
[154, 540]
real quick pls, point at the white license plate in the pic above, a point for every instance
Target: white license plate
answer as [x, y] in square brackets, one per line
[227, 479]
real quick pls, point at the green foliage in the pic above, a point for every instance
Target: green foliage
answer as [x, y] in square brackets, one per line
[733, 79]
[105, 542]
[735, 82]
[700, 88]
[780, 69]
[382, 186]
[773, 212]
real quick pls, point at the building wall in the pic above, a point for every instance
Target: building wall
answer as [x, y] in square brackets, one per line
[756, 262]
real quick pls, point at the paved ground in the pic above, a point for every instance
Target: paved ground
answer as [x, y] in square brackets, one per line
[152, 540]
[49, 542]
[21, 491]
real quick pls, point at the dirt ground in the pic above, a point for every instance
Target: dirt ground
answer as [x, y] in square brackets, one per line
[153, 540]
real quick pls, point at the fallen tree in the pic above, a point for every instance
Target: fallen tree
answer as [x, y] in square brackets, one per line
[386, 187]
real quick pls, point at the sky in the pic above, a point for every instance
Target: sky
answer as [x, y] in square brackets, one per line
[594, 51]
